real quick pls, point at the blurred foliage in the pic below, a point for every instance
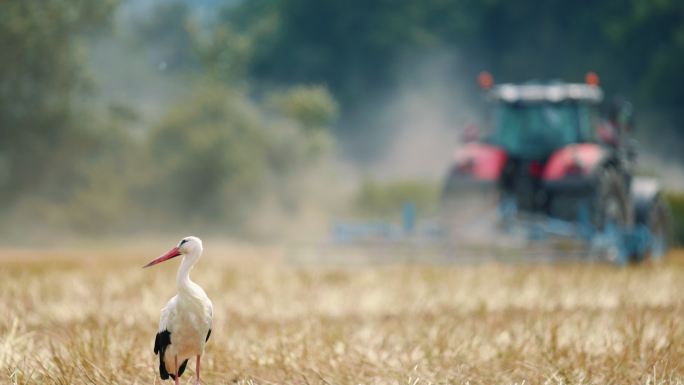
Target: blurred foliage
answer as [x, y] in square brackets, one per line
[221, 156]
[676, 202]
[71, 162]
[387, 199]
[314, 107]
[214, 153]
[41, 132]
[91, 196]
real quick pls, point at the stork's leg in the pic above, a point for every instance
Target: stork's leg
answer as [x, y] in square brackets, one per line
[175, 368]
[198, 370]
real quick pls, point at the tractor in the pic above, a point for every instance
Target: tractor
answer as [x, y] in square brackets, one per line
[557, 161]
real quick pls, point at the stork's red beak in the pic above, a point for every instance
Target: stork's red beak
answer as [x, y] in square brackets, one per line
[168, 255]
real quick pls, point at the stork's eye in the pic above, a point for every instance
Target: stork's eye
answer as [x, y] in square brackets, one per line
[182, 242]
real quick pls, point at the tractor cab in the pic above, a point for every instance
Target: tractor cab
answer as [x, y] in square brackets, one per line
[536, 124]
[533, 121]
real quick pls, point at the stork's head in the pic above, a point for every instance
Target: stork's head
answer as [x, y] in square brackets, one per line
[188, 247]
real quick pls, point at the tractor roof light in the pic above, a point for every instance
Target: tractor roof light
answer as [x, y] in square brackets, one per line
[592, 79]
[486, 80]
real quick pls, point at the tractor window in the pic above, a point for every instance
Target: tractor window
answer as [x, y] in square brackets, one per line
[586, 127]
[534, 131]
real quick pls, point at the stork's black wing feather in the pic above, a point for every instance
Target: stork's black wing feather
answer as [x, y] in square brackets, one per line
[163, 340]
[208, 334]
[181, 369]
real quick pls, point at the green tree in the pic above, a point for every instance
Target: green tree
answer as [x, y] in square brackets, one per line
[218, 157]
[41, 91]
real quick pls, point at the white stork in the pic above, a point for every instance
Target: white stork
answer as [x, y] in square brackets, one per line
[185, 322]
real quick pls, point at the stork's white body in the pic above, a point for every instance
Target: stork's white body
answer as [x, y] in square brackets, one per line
[187, 316]
[185, 322]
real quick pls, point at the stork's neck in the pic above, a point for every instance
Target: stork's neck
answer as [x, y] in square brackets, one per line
[183, 276]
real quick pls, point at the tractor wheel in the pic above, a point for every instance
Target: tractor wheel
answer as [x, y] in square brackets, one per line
[612, 203]
[659, 223]
[612, 214]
